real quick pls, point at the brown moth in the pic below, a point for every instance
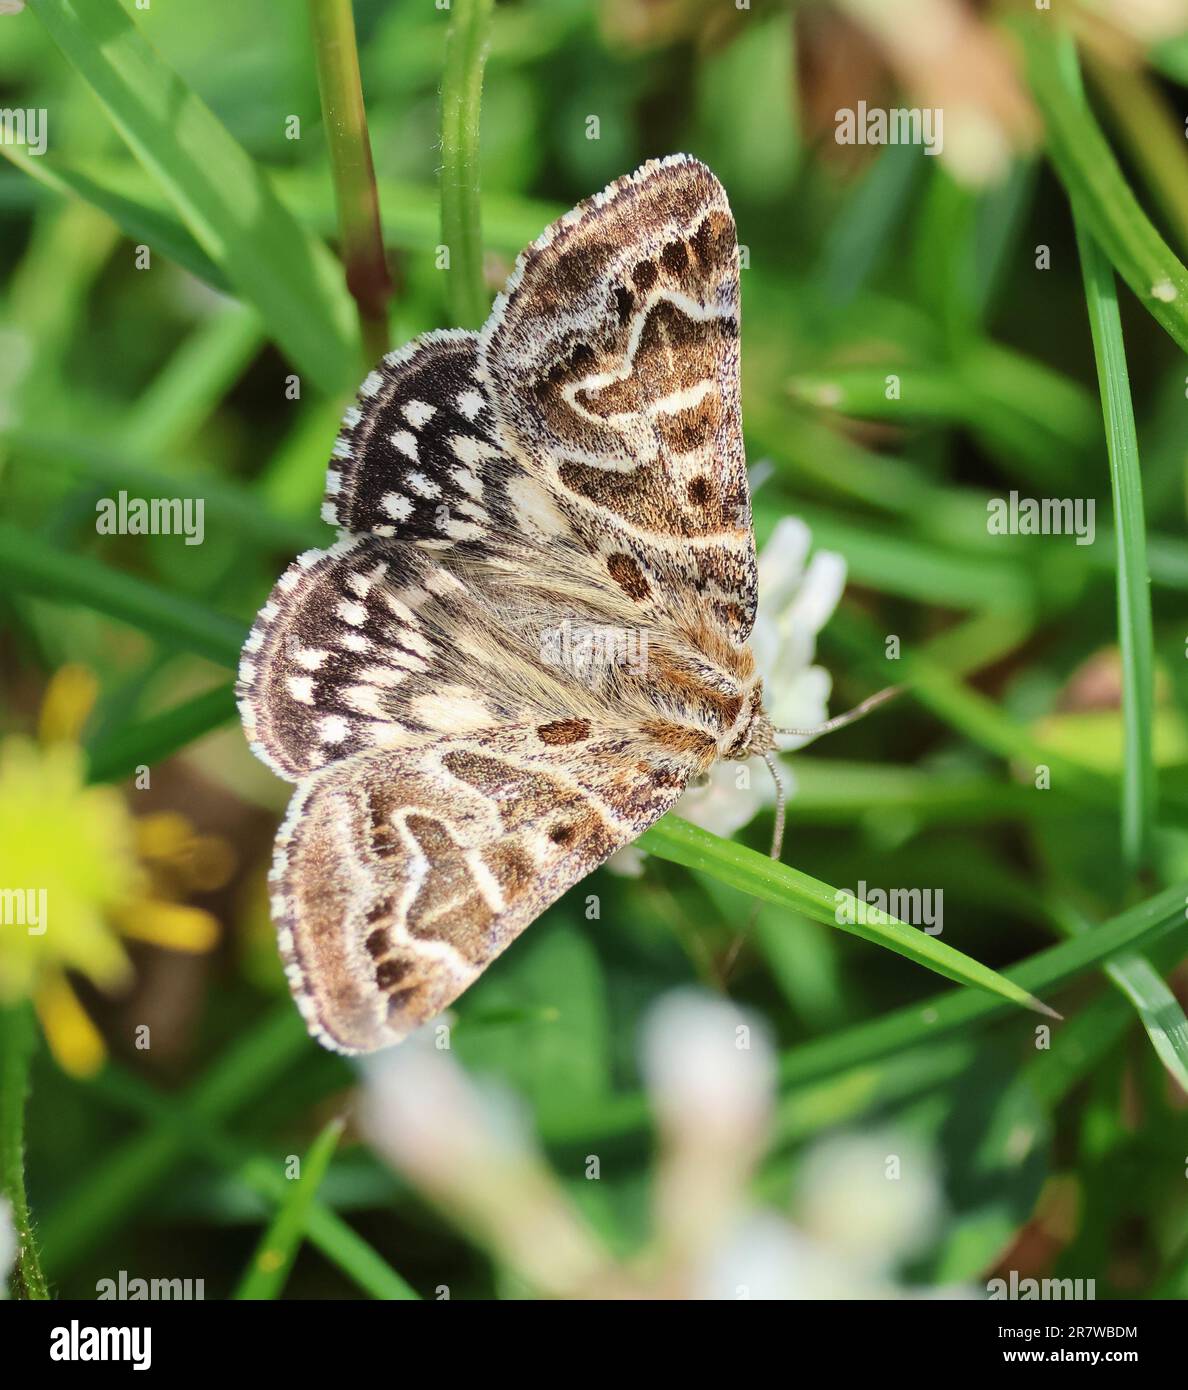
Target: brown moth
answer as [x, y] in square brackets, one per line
[532, 630]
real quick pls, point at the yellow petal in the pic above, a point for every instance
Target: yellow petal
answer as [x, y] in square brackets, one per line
[73, 1038]
[169, 841]
[69, 699]
[210, 864]
[173, 925]
[163, 835]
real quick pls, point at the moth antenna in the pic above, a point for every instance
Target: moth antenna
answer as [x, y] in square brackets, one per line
[777, 834]
[777, 846]
[851, 716]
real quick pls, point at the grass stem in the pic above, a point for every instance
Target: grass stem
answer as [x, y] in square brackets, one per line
[17, 1043]
[461, 98]
[1135, 635]
[349, 144]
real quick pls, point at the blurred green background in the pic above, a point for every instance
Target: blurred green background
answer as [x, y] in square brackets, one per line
[219, 371]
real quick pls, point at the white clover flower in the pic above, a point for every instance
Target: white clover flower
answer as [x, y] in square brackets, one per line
[711, 1074]
[469, 1149]
[764, 1257]
[797, 597]
[709, 1067]
[429, 1119]
[873, 1198]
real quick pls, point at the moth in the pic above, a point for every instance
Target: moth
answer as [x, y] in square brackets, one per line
[531, 632]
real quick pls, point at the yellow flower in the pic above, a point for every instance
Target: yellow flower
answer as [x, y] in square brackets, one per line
[78, 871]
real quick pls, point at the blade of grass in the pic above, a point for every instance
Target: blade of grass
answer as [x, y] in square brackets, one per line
[864, 229]
[345, 119]
[773, 882]
[410, 212]
[113, 1186]
[273, 1260]
[1082, 1039]
[28, 565]
[1135, 633]
[928, 678]
[324, 1227]
[113, 466]
[1096, 185]
[461, 98]
[890, 561]
[191, 384]
[1134, 930]
[143, 224]
[1159, 1011]
[335, 1239]
[223, 198]
[154, 739]
[1152, 133]
[18, 1040]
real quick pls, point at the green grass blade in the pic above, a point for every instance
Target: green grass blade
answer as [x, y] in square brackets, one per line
[1135, 634]
[1096, 185]
[113, 465]
[1134, 930]
[18, 1040]
[259, 1174]
[223, 198]
[152, 740]
[273, 1260]
[1082, 1039]
[190, 386]
[113, 1186]
[28, 565]
[336, 1240]
[1159, 1011]
[1154, 139]
[461, 98]
[773, 882]
[140, 222]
